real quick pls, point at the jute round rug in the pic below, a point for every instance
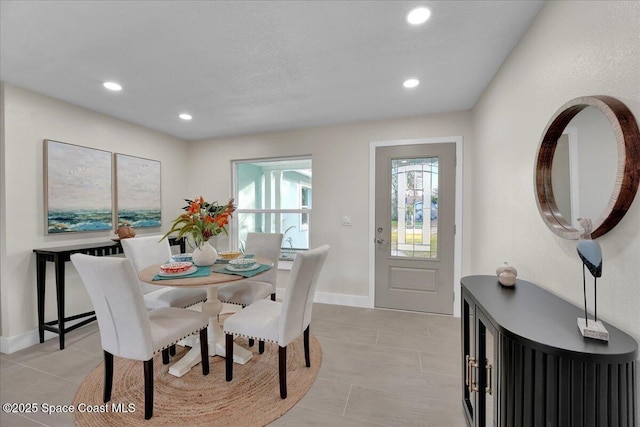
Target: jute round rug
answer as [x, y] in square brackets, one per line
[251, 399]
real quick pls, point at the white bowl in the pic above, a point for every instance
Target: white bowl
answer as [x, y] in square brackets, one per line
[242, 262]
[181, 258]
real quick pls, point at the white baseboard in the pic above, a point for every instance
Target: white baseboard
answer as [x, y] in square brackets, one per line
[15, 343]
[337, 299]
[343, 299]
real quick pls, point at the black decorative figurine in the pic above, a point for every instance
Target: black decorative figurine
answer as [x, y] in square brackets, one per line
[591, 256]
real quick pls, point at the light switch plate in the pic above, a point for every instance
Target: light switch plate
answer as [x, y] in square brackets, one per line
[346, 220]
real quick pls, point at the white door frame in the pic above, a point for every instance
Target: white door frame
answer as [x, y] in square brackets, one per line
[457, 262]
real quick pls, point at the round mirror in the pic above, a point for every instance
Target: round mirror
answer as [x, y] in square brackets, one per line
[588, 165]
[583, 172]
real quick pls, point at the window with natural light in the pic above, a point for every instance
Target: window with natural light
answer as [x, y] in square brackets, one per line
[273, 196]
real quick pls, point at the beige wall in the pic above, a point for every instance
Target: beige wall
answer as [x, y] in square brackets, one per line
[340, 184]
[572, 49]
[30, 118]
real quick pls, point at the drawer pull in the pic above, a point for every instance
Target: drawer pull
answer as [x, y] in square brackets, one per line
[471, 383]
[489, 377]
[468, 372]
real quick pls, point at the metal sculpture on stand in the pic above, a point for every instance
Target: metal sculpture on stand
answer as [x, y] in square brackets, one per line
[591, 256]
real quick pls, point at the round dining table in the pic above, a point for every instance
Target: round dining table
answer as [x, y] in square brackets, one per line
[212, 307]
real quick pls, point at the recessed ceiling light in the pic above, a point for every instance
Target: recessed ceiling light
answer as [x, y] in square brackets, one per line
[112, 86]
[185, 116]
[418, 15]
[409, 83]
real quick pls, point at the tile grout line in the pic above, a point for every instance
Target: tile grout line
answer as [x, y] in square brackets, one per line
[22, 363]
[344, 411]
[385, 364]
[34, 421]
[52, 375]
[454, 402]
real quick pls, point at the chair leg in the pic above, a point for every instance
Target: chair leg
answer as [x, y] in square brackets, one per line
[282, 367]
[172, 350]
[165, 356]
[251, 342]
[148, 389]
[229, 356]
[108, 376]
[260, 347]
[273, 296]
[307, 359]
[204, 351]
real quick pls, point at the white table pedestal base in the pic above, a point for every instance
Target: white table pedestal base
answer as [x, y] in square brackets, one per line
[212, 307]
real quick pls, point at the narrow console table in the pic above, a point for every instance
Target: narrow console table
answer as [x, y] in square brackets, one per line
[525, 362]
[59, 256]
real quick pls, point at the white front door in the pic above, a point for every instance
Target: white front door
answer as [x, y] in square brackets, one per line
[415, 227]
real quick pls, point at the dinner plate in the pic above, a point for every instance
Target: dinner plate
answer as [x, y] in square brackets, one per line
[251, 267]
[191, 269]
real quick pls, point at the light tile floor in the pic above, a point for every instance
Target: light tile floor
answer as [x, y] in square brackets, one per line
[379, 368]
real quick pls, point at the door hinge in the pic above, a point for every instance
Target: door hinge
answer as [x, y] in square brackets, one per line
[455, 229]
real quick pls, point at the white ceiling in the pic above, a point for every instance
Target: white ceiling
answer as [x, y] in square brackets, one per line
[253, 66]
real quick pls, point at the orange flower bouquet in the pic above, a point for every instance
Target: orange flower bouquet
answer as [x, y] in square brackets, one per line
[202, 221]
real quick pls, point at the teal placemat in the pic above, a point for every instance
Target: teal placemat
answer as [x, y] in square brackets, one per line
[200, 272]
[263, 267]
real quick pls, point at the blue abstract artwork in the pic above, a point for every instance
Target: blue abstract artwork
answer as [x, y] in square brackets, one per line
[138, 191]
[78, 188]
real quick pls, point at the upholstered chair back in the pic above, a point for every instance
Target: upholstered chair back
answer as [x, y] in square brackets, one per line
[298, 300]
[266, 245]
[112, 284]
[146, 251]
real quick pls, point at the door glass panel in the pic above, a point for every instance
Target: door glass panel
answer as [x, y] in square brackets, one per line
[468, 320]
[490, 366]
[414, 207]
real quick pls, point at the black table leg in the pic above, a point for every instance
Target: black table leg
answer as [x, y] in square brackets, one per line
[59, 264]
[59, 256]
[41, 273]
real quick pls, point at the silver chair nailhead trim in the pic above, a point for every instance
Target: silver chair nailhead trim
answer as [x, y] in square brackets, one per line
[253, 338]
[180, 339]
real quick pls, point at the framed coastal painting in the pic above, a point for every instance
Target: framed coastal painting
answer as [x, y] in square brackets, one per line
[78, 188]
[137, 191]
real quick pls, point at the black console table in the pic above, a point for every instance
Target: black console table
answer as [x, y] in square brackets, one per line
[525, 362]
[59, 256]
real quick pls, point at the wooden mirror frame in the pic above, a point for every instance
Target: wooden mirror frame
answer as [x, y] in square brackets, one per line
[625, 130]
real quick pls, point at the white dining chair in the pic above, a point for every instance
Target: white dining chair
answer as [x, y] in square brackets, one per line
[246, 292]
[149, 250]
[280, 322]
[127, 328]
